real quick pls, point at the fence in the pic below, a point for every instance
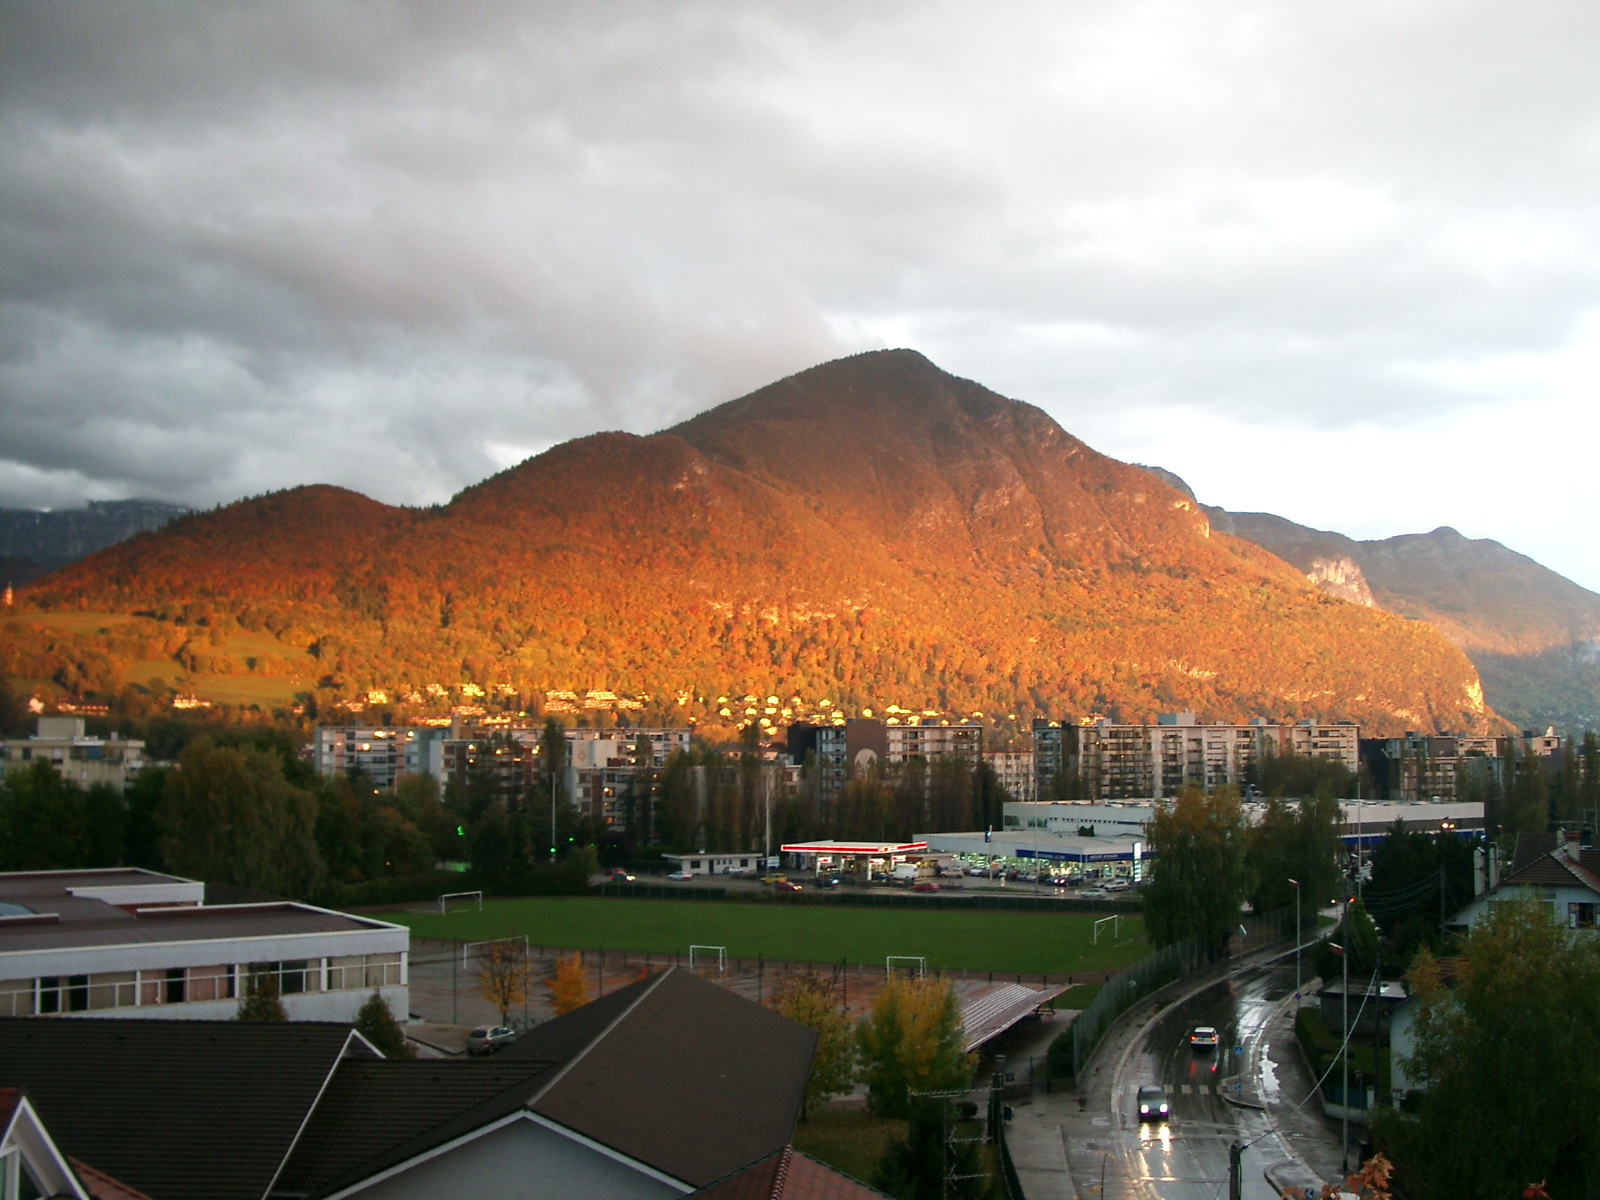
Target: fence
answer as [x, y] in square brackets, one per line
[877, 897]
[1132, 984]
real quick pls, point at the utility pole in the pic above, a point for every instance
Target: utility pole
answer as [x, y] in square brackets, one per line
[1295, 883]
[1344, 1049]
[1235, 1171]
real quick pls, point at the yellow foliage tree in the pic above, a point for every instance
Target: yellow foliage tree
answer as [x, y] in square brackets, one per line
[503, 978]
[568, 987]
[911, 1042]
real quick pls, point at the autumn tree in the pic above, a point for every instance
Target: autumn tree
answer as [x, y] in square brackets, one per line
[568, 985]
[911, 1042]
[503, 978]
[376, 1023]
[1196, 885]
[811, 999]
[1505, 1061]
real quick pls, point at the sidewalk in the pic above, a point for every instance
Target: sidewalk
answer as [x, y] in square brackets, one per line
[1282, 1085]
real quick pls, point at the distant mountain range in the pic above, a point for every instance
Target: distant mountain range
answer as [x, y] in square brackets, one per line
[871, 531]
[1533, 634]
[34, 542]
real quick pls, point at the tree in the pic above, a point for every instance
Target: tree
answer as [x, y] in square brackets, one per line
[230, 816]
[503, 978]
[43, 821]
[811, 999]
[261, 1001]
[377, 1024]
[1197, 882]
[911, 1042]
[921, 1166]
[1298, 841]
[1357, 936]
[1506, 1060]
[568, 986]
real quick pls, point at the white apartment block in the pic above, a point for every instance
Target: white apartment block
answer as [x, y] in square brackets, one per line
[1014, 770]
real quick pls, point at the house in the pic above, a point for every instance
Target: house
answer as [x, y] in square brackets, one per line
[127, 942]
[655, 1090]
[30, 1163]
[1566, 876]
[789, 1174]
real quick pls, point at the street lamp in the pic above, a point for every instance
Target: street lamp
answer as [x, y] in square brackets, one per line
[1295, 884]
[1344, 1052]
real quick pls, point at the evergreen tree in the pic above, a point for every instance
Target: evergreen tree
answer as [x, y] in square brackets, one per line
[933, 1162]
[261, 1001]
[377, 1024]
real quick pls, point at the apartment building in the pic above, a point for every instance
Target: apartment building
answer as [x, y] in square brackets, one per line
[382, 753]
[1422, 767]
[1104, 760]
[75, 756]
[852, 748]
[1014, 770]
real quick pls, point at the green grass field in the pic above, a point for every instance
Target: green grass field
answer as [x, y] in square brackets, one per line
[976, 941]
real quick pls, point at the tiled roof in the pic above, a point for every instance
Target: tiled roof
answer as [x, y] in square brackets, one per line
[1530, 848]
[375, 1114]
[181, 1110]
[789, 1174]
[101, 1186]
[688, 1078]
[1553, 871]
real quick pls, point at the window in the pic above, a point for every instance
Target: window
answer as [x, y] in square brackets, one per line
[113, 989]
[1580, 916]
[16, 997]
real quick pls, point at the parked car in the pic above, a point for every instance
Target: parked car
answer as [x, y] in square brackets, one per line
[1203, 1037]
[1152, 1104]
[619, 875]
[679, 876]
[926, 885]
[1118, 885]
[490, 1038]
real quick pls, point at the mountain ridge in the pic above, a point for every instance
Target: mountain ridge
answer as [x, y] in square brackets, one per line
[869, 530]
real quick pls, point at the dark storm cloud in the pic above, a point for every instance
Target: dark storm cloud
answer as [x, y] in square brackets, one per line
[396, 246]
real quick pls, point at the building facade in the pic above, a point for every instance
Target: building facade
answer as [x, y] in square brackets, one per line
[76, 757]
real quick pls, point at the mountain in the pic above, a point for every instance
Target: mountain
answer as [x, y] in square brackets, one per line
[870, 531]
[34, 541]
[1533, 635]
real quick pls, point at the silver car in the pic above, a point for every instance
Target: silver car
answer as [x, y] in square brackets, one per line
[489, 1039]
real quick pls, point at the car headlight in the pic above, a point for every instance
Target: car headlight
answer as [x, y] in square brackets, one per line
[1144, 1110]
[1163, 1110]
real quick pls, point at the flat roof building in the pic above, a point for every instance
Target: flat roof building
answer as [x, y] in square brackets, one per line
[127, 942]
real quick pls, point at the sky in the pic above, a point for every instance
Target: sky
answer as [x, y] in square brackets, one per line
[1336, 262]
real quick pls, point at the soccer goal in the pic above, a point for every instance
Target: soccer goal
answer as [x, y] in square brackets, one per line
[703, 956]
[482, 948]
[459, 900]
[1115, 921]
[915, 963]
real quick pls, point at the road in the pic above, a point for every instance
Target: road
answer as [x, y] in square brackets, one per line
[1186, 1157]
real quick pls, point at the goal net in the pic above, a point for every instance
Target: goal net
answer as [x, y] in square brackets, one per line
[450, 900]
[701, 958]
[914, 964]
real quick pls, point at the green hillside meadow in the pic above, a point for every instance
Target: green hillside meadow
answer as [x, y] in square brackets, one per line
[1002, 942]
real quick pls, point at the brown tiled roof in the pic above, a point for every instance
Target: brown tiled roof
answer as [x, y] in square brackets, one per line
[1531, 847]
[377, 1113]
[181, 1110]
[101, 1186]
[1552, 871]
[789, 1174]
[689, 1078]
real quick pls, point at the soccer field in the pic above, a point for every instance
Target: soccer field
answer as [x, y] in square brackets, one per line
[976, 941]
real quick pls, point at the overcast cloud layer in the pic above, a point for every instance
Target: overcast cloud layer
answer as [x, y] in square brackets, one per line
[1339, 262]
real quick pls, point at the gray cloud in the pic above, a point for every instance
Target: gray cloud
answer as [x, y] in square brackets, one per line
[395, 246]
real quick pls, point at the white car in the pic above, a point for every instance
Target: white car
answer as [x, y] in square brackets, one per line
[680, 876]
[1117, 885]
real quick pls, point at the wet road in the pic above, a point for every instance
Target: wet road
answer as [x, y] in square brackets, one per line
[1186, 1156]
